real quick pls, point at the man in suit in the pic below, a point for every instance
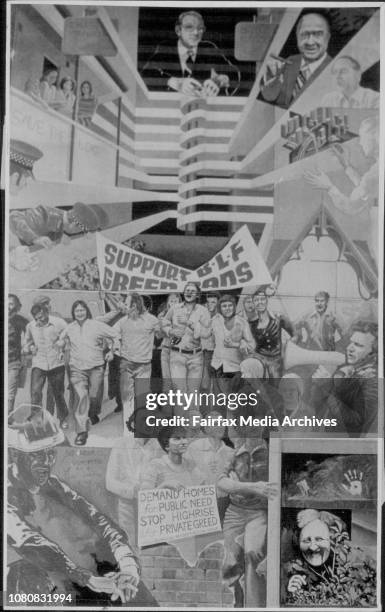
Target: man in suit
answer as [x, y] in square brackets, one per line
[191, 66]
[285, 80]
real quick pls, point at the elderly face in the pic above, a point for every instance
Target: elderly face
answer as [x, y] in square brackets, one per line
[190, 31]
[359, 347]
[347, 77]
[312, 37]
[314, 542]
[35, 468]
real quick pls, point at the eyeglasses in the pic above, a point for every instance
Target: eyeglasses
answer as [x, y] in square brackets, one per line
[309, 33]
[191, 28]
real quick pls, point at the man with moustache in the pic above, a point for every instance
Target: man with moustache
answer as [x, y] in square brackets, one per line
[16, 328]
[283, 82]
[71, 568]
[351, 395]
[193, 67]
[186, 324]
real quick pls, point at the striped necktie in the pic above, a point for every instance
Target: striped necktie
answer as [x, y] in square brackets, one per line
[302, 77]
[189, 63]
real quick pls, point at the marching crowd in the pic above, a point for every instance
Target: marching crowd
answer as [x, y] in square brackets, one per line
[192, 344]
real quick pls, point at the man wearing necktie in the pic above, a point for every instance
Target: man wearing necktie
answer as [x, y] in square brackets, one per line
[193, 67]
[284, 80]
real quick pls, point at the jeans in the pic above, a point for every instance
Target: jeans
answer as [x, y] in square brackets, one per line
[244, 532]
[88, 386]
[166, 372]
[55, 379]
[114, 381]
[13, 379]
[207, 374]
[129, 372]
[186, 373]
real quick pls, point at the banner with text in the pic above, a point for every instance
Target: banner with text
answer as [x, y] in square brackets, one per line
[165, 515]
[238, 264]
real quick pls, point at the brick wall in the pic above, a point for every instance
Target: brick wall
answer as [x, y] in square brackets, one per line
[174, 584]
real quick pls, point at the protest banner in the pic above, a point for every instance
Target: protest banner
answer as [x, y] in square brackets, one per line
[166, 515]
[238, 264]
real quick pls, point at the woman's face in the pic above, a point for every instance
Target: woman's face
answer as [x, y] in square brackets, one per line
[80, 313]
[248, 304]
[314, 542]
[51, 77]
[177, 444]
[86, 89]
[172, 300]
[67, 85]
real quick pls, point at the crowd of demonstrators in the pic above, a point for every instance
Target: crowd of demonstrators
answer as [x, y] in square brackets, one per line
[204, 347]
[85, 275]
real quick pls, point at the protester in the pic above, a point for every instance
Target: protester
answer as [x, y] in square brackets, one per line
[16, 329]
[41, 340]
[86, 337]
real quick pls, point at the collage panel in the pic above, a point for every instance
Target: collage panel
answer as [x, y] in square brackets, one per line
[194, 215]
[327, 521]
[62, 359]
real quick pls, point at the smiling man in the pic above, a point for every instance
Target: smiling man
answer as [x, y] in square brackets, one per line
[284, 81]
[185, 324]
[192, 66]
